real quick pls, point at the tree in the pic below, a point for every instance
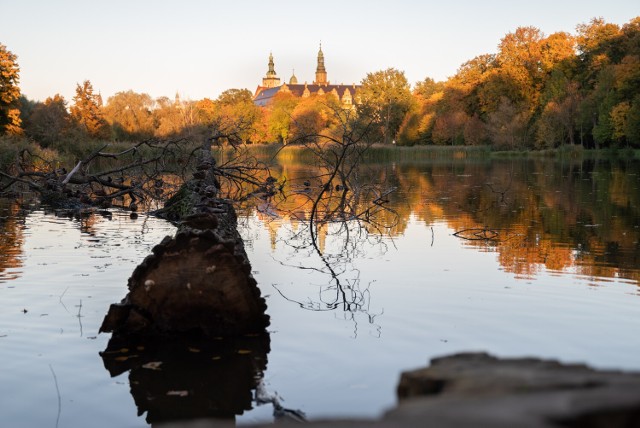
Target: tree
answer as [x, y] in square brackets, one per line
[508, 125]
[427, 88]
[557, 49]
[520, 60]
[385, 99]
[86, 112]
[9, 92]
[279, 115]
[597, 48]
[315, 117]
[235, 107]
[632, 130]
[235, 96]
[48, 121]
[130, 115]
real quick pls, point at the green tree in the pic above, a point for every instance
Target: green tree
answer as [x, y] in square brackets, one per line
[632, 130]
[130, 115]
[48, 121]
[86, 112]
[427, 88]
[9, 92]
[385, 99]
[279, 116]
[235, 96]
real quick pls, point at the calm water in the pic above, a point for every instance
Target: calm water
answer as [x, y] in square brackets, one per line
[558, 279]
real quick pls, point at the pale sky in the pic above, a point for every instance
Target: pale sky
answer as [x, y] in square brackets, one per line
[199, 48]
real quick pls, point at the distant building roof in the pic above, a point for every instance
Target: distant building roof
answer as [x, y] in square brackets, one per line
[345, 93]
[264, 95]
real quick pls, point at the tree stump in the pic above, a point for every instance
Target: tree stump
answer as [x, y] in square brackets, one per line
[198, 281]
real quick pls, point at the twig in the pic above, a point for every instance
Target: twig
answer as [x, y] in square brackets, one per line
[55, 380]
[79, 317]
[60, 299]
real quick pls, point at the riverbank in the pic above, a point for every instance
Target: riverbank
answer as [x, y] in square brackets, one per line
[385, 153]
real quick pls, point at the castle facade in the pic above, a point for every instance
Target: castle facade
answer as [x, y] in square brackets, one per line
[271, 86]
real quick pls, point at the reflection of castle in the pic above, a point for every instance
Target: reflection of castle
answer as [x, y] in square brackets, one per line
[320, 86]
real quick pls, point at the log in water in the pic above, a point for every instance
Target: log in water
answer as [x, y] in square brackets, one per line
[198, 281]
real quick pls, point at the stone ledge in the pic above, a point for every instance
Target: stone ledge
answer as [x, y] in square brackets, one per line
[480, 390]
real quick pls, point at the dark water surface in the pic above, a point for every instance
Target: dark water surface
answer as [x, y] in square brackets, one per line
[545, 263]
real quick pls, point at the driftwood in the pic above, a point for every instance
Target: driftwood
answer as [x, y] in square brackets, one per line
[198, 281]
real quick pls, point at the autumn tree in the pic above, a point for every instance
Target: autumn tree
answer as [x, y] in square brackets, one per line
[417, 125]
[315, 116]
[235, 106]
[462, 102]
[167, 117]
[130, 115]
[86, 112]
[9, 92]
[385, 99]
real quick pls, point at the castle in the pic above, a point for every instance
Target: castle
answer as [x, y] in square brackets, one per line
[320, 86]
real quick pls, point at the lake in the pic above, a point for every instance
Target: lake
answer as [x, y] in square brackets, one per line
[516, 257]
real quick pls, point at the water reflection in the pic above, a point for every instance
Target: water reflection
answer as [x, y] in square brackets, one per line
[11, 239]
[182, 379]
[565, 216]
[331, 257]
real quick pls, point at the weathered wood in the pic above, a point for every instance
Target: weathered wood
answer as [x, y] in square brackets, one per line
[197, 281]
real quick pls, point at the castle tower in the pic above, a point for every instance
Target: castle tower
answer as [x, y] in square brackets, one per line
[321, 72]
[271, 80]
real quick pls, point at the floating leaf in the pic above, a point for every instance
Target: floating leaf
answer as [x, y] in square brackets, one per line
[193, 349]
[217, 357]
[178, 393]
[244, 351]
[153, 365]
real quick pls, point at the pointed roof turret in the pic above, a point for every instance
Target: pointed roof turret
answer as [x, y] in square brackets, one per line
[321, 72]
[272, 71]
[271, 80]
[294, 79]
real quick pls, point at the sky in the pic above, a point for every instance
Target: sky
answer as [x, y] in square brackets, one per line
[198, 48]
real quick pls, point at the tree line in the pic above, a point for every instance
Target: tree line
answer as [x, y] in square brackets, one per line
[537, 92]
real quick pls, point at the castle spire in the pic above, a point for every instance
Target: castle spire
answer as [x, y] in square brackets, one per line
[321, 72]
[271, 80]
[272, 70]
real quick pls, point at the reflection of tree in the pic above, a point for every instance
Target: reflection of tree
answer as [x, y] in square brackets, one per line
[557, 215]
[11, 239]
[342, 289]
[549, 214]
[182, 379]
[338, 198]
